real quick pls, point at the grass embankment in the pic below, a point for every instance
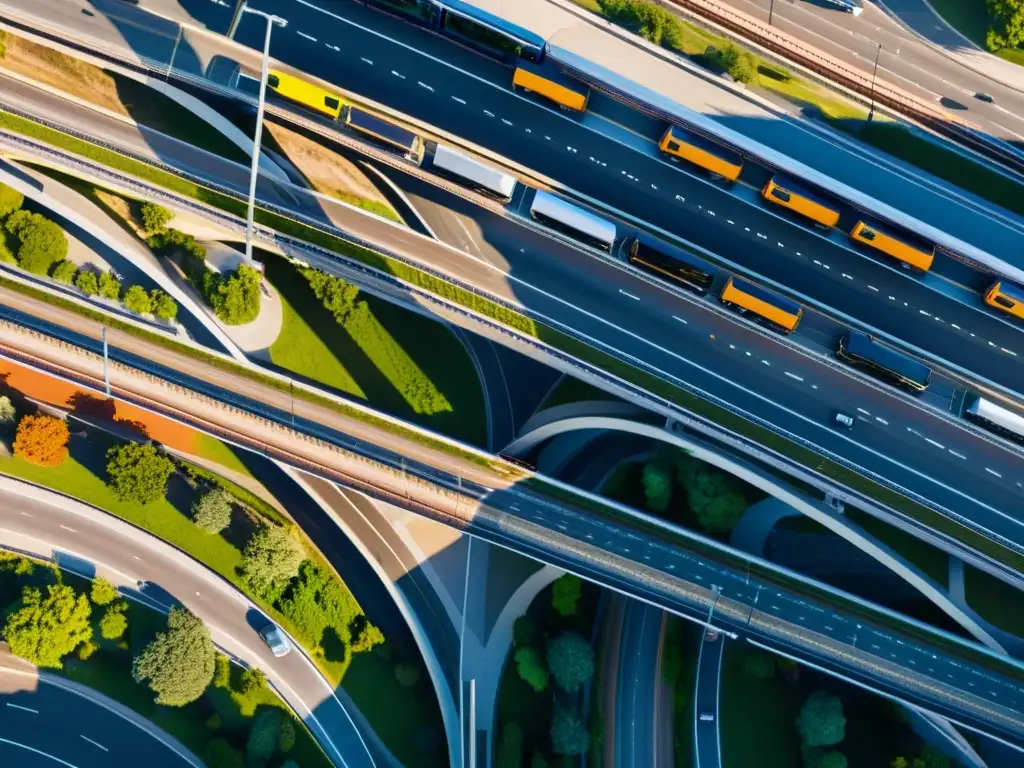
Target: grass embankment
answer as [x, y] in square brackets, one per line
[755, 716]
[225, 711]
[679, 670]
[693, 41]
[995, 600]
[569, 389]
[115, 92]
[370, 681]
[513, 319]
[931, 560]
[329, 172]
[395, 360]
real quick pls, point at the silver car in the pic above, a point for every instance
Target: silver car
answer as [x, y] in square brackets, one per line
[276, 640]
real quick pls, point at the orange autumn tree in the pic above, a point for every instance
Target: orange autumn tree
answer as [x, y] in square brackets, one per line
[42, 440]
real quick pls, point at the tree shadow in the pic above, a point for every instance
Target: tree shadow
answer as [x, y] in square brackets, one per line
[333, 645]
[242, 526]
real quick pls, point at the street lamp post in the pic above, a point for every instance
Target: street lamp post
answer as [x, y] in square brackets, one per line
[771, 11]
[271, 21]
[874, 74]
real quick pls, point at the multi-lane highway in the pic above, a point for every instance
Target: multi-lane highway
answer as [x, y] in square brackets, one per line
[906, 61]
[635, 720]
[688, 341]
[792, 615]
[926, 312]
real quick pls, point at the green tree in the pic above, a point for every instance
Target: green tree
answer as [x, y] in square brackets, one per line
[716, 497]
[569, 735]
[657, 486]
[11, 200]
[235, 298]
[114, 622]
[178, 663]
[252, 681]
[524, 631]
[164, 307]
[155, 218]
[821, 722]
[364, 635]
[43, 630]
[820, 758]
[743, 68]
[212, 511]
[102, 592]
[934, 758]
[759, 666]
[64, 271]
[571, 660]
[510, 748]
[262, 742]
[8, 413]
[1007, 30]
[110, 286]
[137, 300]
[565, 594]
[41, 242]
[338, 296]
[286, 735]
[221, 754]
[270, 559]
[221, 671]
[87, 282]
[137, 473]
[899, 762]
[530, 666]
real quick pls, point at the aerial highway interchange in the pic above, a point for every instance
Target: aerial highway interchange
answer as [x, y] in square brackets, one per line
[949, 440]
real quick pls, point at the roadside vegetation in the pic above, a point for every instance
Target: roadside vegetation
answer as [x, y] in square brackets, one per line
[996, 25]
[396, 360]
[165, 668]
[112, 91]
[545, 685]
[39, 246]
[679, 671]
[775, 713]
[499, 313]
[239, 536]
[660, 26]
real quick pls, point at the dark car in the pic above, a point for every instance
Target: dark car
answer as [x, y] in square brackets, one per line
[984, 97]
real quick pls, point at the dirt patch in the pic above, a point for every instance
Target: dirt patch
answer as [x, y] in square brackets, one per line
[328, 172]
[44, 388]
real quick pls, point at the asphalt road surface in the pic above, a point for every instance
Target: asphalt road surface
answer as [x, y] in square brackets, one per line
[233, 622]
[917, 67]
[689, 343]
[707, 741]
[636, 694]
[811, 622]
[43, 725]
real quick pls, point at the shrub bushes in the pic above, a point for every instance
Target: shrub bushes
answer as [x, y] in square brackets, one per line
[41, 242]
[155, 218]
[87, 282]
[137, 300]
[114, 622]
[162, 305]
[212, 511]
[64, 272]
[42, 440]
[235, 298]
[110, 286]
[137, 473]
[102, 592]
[11, 200]
[271, 559]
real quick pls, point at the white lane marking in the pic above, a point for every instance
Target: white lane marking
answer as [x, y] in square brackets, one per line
[881, 420]
[398, 74]
[38, 752]
[848, 277]
[926, 314]
[488, 113]
[863, 411]
[333, 47]
[958, 455]
[1008, 351]
[25, 514]
[793, 376]
[308, 37]
[368, 61]
[69, 529]
[421, 84]
[461, 101]
[936, 444]
[507, 122]
[780, 245]
[674, 317]
[630, 295]
[94, 743]
[23, 709]
[873, 288]
[993, 472]
[766, 363]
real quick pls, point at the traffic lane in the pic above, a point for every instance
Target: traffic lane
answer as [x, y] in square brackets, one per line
[227, 613]
[395, 75]
[638, 669]
[971, 349]
[786, 617]
[708, 668]
[64, 726]
[711, 351]
[917, 68]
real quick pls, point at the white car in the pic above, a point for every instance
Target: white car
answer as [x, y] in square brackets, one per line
[276, 640]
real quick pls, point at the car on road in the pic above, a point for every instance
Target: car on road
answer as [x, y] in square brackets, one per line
[844, 420]
[710, 636]
[707, 717]
[984, 97]
[276, 640]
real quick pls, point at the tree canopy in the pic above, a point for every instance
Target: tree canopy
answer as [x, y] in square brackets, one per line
[178, 662]
[716, 497]
[1007, 30]
[43, 630]
[821, 722]
[235, 297]
[138, 473]
[571, 660]
[530, 666]
[212, 511]
[565, 594]
[510, 748]
[42, 440]
[657, 486]
[569, 734]
[137, 300]
[271, 558]
[103, 592]
[10, 200]
[41, 242]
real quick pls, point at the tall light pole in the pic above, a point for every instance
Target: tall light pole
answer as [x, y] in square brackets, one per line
[874, 74]
[771, 11]
[271, 21]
